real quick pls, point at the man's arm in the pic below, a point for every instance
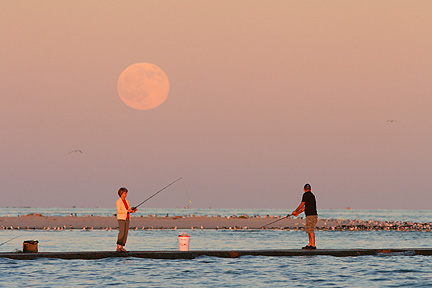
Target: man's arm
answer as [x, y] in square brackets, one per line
[299, 209]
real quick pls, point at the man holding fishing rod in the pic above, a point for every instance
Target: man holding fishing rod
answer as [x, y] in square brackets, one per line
[123, 218]
[308, 205]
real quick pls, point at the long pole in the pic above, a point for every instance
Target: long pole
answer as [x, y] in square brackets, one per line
[9, 240]
[133, 208]
[275, 221]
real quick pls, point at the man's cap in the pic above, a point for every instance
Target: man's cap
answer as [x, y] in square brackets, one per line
[307, 186]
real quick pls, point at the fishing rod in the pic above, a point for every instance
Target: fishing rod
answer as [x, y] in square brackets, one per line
[133, 208]
[9, 240]
[276, 221]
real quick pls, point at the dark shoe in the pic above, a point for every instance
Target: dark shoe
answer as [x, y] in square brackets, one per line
[309, 247]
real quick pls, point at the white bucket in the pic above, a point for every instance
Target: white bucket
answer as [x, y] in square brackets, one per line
[184, 241]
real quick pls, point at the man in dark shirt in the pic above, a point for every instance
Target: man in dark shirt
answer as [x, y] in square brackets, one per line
[308, 205]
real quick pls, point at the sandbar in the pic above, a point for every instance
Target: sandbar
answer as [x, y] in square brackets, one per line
[38, 221]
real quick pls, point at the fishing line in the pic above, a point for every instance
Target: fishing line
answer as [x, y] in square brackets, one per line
[275, 221]
[187, 194]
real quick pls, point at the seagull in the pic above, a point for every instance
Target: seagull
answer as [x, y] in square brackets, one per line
[75, 151]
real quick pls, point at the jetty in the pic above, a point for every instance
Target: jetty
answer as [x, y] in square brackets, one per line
[92, 255]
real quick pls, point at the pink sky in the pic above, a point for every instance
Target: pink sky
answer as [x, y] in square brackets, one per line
[264, 97]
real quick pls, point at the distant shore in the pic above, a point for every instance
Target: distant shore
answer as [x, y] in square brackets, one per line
[38, 221]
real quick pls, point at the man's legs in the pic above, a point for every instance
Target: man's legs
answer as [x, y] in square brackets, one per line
[311, 221]
[311, 239]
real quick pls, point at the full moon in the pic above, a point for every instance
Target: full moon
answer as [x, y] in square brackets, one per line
[143, 86]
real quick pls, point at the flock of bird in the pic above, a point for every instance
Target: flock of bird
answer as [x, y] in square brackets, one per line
[323, 225]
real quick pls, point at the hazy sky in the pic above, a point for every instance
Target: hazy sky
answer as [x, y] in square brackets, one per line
[265, 96]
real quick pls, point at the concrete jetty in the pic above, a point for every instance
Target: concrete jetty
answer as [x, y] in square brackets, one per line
[91, 255]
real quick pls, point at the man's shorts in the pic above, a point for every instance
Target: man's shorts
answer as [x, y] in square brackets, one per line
[311, 222]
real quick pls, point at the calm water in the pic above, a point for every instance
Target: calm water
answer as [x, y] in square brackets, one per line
[315, 271]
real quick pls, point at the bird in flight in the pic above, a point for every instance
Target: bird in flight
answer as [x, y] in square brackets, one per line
[75, 151]
[392, 121]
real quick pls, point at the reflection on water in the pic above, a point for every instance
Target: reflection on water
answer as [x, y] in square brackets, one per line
[316, 271]
[140, 240]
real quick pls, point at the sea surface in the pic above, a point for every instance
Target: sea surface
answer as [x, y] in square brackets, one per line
[393, 270]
